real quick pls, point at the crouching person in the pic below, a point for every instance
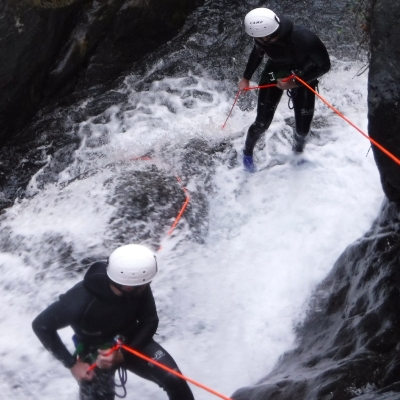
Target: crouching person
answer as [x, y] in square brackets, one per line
[113, 299]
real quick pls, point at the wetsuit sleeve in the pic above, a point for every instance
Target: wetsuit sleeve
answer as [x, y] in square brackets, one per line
[45, 326]
[147, 320]
[253, 62]
[319, 59]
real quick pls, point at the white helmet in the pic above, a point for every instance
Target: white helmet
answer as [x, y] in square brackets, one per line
[261, 22]
[132, 265]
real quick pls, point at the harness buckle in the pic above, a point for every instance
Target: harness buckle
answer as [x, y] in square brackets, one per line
[118, 340]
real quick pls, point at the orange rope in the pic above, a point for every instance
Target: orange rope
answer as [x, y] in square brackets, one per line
[120, 345]
[240, 91]
[183, 208]
[150, 360]
[260, 87]
[270, 84]
[230, 112]
[114, 348]
[185, 204]
[374, 142]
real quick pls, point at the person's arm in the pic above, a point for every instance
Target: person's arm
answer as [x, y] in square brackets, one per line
[147, 320]
[45, 326]
[255, 58]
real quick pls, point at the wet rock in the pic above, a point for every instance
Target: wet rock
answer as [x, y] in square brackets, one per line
[348, 345]
[4, 202]
[147, 204]
[384, 92]
[52, 48]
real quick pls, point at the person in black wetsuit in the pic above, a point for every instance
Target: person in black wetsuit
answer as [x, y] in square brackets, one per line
[289, 48]
[113, 299]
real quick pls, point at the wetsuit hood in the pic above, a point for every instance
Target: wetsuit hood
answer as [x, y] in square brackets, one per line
[285, 29]
[284, 35]
[97, 281]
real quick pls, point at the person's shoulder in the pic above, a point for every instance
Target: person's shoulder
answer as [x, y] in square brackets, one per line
[302, 32]
[77, 295]
[306, 39]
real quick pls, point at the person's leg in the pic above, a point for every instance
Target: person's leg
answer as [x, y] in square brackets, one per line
[176, 388]
[303, 104]
[101, 387]
[268, 100]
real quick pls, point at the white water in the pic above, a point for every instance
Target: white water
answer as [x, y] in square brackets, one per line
[227, 307]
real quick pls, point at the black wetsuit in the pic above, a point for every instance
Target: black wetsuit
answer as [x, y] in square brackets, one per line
[97, 315]
[296, 49]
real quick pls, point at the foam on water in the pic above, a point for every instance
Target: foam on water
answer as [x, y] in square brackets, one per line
[227, 307]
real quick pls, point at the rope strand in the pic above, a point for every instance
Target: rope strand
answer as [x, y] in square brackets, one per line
[162, 366]
[374, 142]
[230, 112]
[172, 371]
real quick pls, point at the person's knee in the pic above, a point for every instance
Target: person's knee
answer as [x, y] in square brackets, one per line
[258, 126]
[172, 381]
[304, 120]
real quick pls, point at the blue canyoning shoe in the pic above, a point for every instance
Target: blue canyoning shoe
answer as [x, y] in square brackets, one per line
[248, 164]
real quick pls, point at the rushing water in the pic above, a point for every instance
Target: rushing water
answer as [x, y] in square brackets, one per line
[229, 301]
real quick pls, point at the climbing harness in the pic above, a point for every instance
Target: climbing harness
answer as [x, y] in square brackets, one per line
[316, 92]
[119, 344]
[89, 356]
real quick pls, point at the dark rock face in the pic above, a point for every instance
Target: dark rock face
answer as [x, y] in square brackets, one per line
[349, 343]
[384, 92]
[147, 203]
[50, 48]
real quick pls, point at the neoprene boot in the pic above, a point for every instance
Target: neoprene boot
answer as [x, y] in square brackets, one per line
[248, 163]
[298, 142]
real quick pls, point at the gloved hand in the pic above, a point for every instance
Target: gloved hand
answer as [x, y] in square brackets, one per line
[286, 85]
[243, 84]
[80, 371]
[109, 361]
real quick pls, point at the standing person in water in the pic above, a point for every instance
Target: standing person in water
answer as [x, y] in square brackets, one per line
[289, 48]
[113, 299]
